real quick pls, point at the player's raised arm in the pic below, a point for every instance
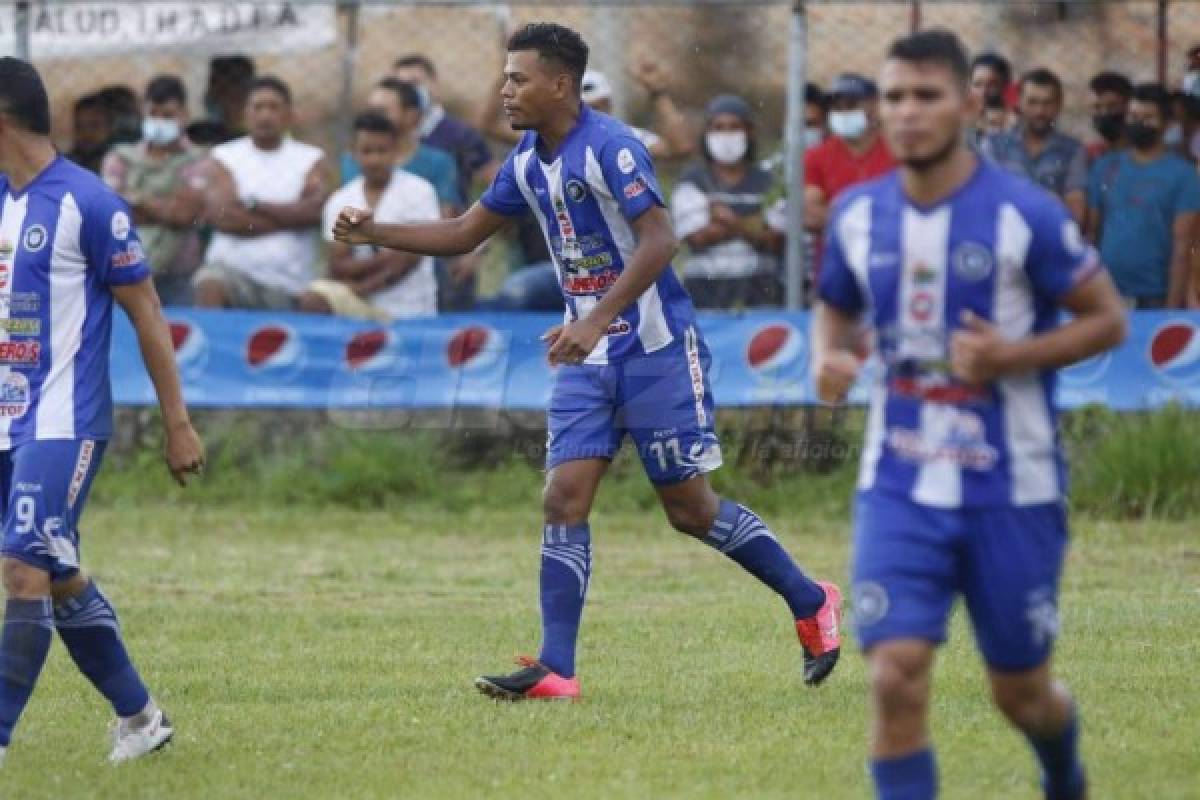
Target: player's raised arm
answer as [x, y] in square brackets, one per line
[184, 450]
[445, 237]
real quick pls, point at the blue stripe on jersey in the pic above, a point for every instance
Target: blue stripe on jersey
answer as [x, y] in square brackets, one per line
[999, 247]
[585, 199]
[64, 240]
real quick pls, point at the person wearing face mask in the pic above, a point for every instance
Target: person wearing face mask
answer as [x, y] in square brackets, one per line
[718, 210]
[1143, 205]
[1036, 150]
[1111, 93]
[853, 154]
[162, 179]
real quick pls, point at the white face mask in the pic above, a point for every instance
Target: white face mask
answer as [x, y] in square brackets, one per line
[813, 137]
[160, 131]
[727, 147]
[848, 124]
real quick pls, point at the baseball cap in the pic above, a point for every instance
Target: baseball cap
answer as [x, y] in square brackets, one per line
[595, 86]
[853, 86]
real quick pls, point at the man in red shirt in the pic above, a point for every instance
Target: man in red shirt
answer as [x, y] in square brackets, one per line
[854, 153]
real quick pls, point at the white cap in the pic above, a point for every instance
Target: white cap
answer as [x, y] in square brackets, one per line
[595, 86]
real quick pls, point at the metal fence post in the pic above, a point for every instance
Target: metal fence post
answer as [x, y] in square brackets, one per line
[796, 269]
[21, 29]
[349, 67]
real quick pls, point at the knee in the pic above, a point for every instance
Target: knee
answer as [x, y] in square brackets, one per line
[313, 303]
[1026, 702]
[564, 504]
[899, 683]
[22, 581]
[692, 517]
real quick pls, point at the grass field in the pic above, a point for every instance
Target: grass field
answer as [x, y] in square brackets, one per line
[329, 654]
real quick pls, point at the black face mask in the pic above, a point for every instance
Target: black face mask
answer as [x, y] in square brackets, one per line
[1109, 126]
[1142, 136]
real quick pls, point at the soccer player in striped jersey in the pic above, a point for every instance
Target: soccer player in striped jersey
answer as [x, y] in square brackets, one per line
[960, 270]
[631, 360]
[67, 248]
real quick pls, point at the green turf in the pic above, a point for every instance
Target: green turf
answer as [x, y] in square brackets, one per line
[308, 654]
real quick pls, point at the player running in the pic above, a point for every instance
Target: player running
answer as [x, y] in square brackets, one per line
[632, 361]
[67, 248]
[960, 270]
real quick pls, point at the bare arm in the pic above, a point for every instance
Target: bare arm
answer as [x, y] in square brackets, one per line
[834, 364]
[225, 212]
[305, 212]
[816, 209]
[447, 237]
[1091, 225]
[1184, 235]
[1076, 203]
[184, 451]
[677, 140]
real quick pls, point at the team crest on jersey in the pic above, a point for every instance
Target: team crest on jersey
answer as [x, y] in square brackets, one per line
[625, 161]
[576, 191]
[35, 238]
[121, 226]
[972, 261]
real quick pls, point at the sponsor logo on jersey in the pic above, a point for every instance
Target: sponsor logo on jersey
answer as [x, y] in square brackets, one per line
[121, 226]
[82, 464]
[6, 249]
[576, 191]
[592, 283]
[920, 307]
[619, 327]
[870, 603]
[474, 347]
[1175, 352]
[131, 256]
[5, 275]
[19, 302]
[777, 352]
[14, 397]
[35, 238]
[635, 188]
[21, 352]
[924, 275]
[625, 161]
[972, 261]
[275, 350]
[962, 441]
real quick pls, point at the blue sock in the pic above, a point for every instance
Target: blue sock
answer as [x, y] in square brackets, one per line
[1062, 771]
[911, 777]
[88, 626]
[24, 644]
[566, 567]
[741, 535]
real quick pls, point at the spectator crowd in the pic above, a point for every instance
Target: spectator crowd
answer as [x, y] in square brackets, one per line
[237, 213]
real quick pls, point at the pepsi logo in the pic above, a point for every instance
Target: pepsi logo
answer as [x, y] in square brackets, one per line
[275, 349]
[1175, 352]
[777, 351]
[473, 347]
[1086, 372]
[370, 350]
[191, 346]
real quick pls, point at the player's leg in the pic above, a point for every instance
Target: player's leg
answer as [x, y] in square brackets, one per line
[732, 529]
[905, 576]
[582, 441]
[28, 618]
[1013, 568]
[53, 478]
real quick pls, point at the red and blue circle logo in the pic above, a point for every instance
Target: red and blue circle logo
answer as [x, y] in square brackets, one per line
[475, 347]
[372, 351]
[191, 347]
[1086, 372]
[275, 350]
[778, 352]
[1175, 352]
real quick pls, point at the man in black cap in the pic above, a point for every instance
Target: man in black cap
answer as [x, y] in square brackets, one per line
[853, 154]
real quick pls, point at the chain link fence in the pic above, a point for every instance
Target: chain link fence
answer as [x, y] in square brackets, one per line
[332, 54]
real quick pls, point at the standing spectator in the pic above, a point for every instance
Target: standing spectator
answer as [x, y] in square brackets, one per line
[162, 180]
[443, 131]
[229, 82]
[1111, 95]
[1036, 150]
[995, 116]
[93, 129]
[1191, 78]
[718, 210]
[369, 282]
[1183, 135]
[991, 76]
[1143, 205]
[265, 195]
[816, 115]
[400, 102]
[125, 113]
[853, 154]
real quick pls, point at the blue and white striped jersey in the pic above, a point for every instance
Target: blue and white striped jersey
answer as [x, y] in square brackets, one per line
[585, 197]
[1006, 250]
[64, 239]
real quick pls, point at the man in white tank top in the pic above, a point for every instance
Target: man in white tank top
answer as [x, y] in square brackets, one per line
[265, 195]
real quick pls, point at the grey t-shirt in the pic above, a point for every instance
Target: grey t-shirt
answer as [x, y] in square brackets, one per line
[735, 258]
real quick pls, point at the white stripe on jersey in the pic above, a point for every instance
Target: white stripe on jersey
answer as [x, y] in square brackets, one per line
[652, 330]
[68, 308]
[13, 217]
[926, 240]
[520, 165]
[854, 234]
[873, 440]
[1033, 467]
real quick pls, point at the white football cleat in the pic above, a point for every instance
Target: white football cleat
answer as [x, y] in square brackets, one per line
[130, 743]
